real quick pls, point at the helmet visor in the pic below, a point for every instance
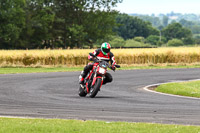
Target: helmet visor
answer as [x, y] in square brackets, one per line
[106, 50]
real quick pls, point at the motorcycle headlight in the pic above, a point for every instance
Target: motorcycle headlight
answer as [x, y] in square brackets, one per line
[102, 70]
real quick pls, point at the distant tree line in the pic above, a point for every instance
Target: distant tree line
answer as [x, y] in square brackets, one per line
[191, 21]
[141, 33]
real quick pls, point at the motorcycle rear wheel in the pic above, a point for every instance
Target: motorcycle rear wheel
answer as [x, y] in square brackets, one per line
[94, 90]
[81, 92]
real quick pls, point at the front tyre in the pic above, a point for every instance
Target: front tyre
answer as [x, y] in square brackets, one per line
[94, 90]
[81, 92]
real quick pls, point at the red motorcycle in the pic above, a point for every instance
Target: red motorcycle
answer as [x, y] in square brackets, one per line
[94, 80]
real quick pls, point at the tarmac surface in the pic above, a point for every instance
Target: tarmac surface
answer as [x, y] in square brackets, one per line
[55, 95]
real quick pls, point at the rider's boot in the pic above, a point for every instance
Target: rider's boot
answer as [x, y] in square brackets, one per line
[81, 81]
[81, 78]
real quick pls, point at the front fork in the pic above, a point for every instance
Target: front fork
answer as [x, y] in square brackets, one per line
[95, 78]
[88, 86]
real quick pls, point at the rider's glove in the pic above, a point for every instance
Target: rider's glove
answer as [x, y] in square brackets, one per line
[91, 59]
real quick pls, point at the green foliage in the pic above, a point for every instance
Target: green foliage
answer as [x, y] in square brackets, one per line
[78, 34]
[156, 40]
[155, 21]
[55, 23]
[189, 21]
[11, 22]
[192, 25]
[152, 30]
[99, 25]
[186, 23]
[195, 29]
[175, 30]
[197, 38]
[152, 39]
[165, 21]
[197, 41]
[117, 41]
[188, 41]
[139, 39]
[81, 23]
[133, 43]
[39, 21]
[175, 42]
[130, 27]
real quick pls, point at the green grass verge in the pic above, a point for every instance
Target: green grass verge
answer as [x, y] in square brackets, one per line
[37, 70]
[19, 125]
[158, 67]
[191, 88]
[9, 70]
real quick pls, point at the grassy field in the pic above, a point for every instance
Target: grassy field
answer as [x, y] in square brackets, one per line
[191, 88]
[19, 125]
[74, 57]
[12, 70]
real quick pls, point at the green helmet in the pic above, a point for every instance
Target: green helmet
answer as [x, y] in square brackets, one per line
[105, 48]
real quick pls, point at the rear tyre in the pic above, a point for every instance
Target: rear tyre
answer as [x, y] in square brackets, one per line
[81, 92]
[94, 90]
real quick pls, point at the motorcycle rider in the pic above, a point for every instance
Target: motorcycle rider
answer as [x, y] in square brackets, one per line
[102, 53]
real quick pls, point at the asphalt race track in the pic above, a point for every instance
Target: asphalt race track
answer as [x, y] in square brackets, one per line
[55, 95]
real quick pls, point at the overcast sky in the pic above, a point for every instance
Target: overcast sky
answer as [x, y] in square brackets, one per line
[159, 6]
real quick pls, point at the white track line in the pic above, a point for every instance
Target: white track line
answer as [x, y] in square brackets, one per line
[149, 90]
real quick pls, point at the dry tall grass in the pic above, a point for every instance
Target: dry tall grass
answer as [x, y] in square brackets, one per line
[79, 56]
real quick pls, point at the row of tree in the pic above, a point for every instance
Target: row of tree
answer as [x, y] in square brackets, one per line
[78, 23]
[55, 23]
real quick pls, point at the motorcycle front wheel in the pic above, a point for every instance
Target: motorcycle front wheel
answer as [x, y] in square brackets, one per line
[94, 90]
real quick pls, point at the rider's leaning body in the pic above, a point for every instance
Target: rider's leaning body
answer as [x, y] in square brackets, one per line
[102, 53]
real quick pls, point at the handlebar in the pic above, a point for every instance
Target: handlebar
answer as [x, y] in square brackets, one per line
[91, 54]
[117, 66]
